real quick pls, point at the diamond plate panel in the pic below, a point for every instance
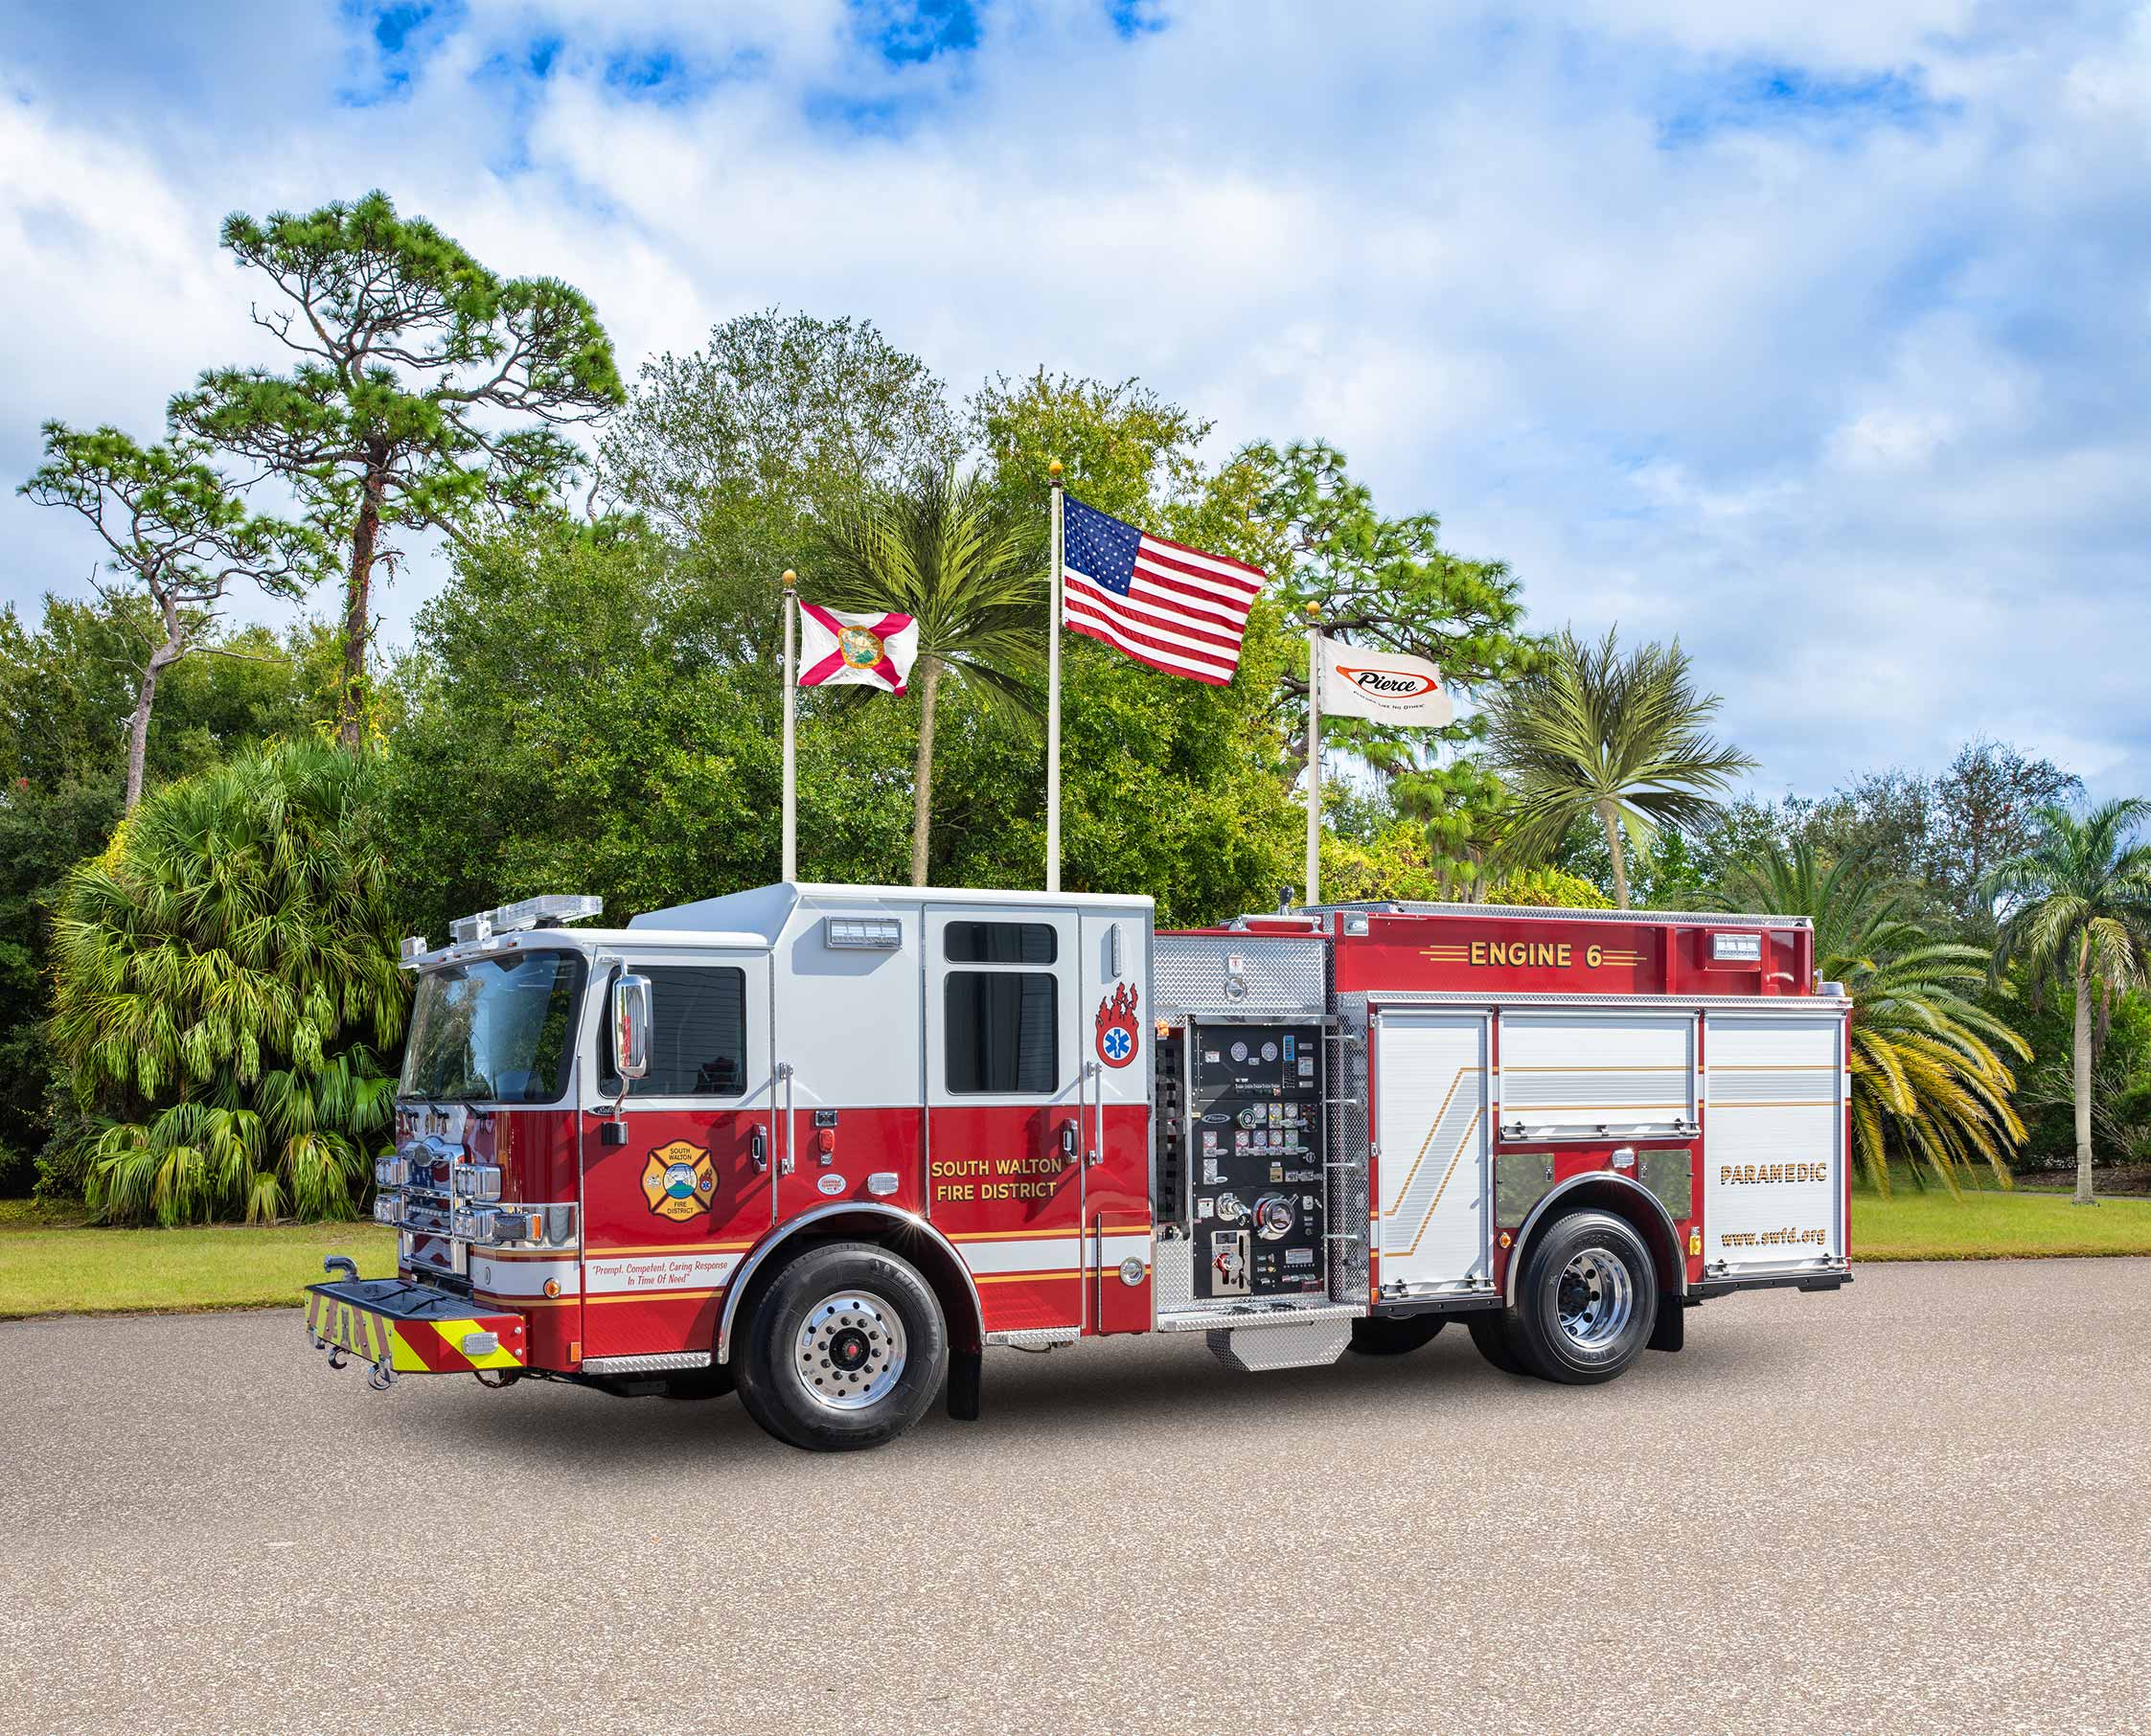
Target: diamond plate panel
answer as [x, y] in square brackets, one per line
[1670, 1175]
[1277, 976]
[1172, 1275]
[1258, 1349]
[1520, 1180]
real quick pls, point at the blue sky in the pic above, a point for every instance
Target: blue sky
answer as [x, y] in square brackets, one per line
[1817, 335]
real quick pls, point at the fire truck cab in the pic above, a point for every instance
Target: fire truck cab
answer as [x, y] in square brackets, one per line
[823, 1145]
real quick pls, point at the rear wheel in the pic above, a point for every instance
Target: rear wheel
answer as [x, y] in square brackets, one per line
[1394, 1334]
[845, 1349]
[1586, 1300]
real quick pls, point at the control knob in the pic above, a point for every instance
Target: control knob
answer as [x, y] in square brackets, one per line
[1273, 1217]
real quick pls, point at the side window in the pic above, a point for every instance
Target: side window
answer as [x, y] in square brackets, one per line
[998, 1029]
[697, 1038]
[1002, 943]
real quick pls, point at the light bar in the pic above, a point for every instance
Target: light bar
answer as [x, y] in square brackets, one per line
[547, 910]
[863, 933]
[1738, 949]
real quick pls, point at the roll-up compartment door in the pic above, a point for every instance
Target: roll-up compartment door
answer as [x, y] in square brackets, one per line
[1591, 1074]
[1773, 1152]
[1430, 1121]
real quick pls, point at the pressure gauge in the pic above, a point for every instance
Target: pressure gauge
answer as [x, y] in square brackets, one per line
[1270, 1051]
[1239, 1051]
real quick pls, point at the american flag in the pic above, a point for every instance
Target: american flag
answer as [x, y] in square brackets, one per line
[1163, 604]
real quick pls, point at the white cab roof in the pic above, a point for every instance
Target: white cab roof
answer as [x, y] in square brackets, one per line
[758, 916]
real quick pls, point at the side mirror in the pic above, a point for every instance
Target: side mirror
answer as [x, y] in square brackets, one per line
[630, 1026]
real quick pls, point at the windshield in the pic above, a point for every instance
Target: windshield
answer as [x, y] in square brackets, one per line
[497, 1030]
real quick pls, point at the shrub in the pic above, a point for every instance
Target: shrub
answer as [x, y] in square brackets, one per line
[225, 988]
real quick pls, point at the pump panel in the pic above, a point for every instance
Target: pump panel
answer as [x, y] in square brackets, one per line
[1254, 1160]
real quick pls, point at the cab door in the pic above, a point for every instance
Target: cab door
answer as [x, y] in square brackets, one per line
[1004, 1094]
[671, 1207]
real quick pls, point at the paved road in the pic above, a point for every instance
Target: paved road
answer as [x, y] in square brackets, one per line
[1922, 1505]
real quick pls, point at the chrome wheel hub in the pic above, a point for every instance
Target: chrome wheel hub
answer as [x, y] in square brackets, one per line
[1595, 1299]
[851, 1350]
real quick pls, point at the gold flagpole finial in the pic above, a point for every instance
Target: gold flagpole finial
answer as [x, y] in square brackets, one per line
[1053, 469]
[790, 578]
[1314, 611]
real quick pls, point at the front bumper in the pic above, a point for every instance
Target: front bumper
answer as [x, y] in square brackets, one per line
[398, 1327]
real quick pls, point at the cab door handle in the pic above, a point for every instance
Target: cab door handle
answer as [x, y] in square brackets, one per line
[758, 1147]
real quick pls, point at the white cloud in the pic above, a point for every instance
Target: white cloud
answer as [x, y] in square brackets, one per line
[1814, 335]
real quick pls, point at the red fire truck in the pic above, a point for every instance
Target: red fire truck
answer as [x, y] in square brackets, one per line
[823, 1145]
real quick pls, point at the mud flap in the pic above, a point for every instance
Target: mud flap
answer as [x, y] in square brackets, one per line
[1671, 1331]
[964, 1367]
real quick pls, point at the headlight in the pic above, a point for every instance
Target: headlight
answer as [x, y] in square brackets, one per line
[477, 1181]
[385, 1208]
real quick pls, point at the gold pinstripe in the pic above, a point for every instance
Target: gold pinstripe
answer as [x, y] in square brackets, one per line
[1432, 1128]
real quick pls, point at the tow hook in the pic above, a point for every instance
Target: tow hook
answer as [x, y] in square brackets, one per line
[380, 1377]
[338, 1356]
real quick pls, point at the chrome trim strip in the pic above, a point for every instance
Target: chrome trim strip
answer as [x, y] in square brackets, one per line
[746, 1268]
[1570, 1186]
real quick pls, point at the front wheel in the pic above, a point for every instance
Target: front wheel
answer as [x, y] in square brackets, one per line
[1587, 1301]
[845, 1349]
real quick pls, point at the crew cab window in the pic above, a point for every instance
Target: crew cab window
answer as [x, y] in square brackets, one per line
[1002, 943]
[999, 1030]
[697, 1031]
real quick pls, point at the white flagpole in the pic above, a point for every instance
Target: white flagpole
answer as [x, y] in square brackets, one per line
[791, 703]
[1053, 699]
[1313, 755]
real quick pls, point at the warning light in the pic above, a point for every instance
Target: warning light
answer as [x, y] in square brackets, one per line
[552, 1286]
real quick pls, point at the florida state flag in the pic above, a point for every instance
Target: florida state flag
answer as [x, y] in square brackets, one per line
[865, 651]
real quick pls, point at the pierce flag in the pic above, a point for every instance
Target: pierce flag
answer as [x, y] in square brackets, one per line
[838, 649]
[1385, 686]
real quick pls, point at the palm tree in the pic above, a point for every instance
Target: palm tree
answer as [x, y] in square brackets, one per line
[224, 977]
[944, 551]
[2078, 908]
[1621, 738]
[1927, 1080]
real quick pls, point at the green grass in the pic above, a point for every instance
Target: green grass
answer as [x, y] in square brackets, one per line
[1989, 1225]
[51, 1265]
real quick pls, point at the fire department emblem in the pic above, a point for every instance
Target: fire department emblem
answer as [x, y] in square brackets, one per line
[677, 1180]
[1118, 1033]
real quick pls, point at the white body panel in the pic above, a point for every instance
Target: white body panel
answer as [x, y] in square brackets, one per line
[1571, 1074]
[1431, 1126]
[1774, 1183]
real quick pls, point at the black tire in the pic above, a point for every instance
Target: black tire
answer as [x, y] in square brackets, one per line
[1490, 1331]
[1586, 1300]
[844, 1349]
[1394, 1334]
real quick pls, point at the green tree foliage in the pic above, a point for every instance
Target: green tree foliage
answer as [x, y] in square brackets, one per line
[1929, 1083]
[172, 527]
[427, 390]
[733, 450]
[66, 694]
[2078, 909]
[576, 721]
[1389, 583]
[1623, 739]
[946, 552]
[225, 980]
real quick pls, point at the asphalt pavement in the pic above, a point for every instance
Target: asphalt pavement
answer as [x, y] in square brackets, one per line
[1921, 1504]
